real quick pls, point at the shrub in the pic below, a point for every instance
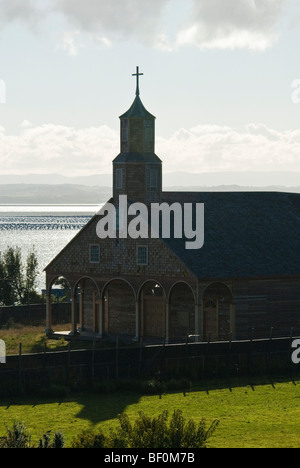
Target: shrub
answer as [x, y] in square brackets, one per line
[157, 432]
[89, 439]
[154, 387]
[17, 437]
[58, 441]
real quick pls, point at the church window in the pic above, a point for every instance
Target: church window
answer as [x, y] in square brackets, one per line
[124, 130]
[119, 178]
[148, 131]
[142, 255]
[95, 253]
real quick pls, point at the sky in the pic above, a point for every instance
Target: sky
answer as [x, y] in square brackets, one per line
[222, 78]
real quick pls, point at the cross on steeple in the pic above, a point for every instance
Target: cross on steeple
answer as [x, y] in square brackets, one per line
[137, 74]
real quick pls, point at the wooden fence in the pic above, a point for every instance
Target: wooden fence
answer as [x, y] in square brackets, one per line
[196, 361]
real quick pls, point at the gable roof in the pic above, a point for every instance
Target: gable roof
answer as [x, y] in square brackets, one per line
[247, 234]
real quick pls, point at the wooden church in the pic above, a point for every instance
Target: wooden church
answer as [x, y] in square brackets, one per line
[243, 282]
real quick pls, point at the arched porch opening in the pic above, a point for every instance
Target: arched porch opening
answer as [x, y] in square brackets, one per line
[152, 299]
[181, 311]
[217, 312]
[119, 308]
[88, 303]
[59, 305]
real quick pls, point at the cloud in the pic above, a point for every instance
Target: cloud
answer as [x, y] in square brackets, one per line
[207, 24]
[232, 24]
[114, 20]
[28, 11]
[208, 148]
[68, 42]
[66, 150]
[52, 148]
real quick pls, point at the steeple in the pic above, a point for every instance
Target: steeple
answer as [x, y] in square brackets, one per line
[137, 169]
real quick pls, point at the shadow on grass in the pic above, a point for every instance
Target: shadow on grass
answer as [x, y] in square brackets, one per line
[100, 408]
[97, 405]
[252, 382]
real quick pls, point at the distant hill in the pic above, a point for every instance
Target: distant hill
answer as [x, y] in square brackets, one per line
[31, 194]
[57, 179]
[172, 179]
[97, 188]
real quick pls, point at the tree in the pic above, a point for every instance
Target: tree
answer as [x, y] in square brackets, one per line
[17, 283]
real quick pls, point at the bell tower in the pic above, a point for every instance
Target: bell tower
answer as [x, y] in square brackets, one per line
[137, 171]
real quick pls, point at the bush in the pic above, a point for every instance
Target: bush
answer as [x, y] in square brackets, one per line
[88, 439]
[19, 437]
[58, 441]
[154, 387]
[157, 432]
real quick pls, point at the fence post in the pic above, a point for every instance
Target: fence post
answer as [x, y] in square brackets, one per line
[250, 357]
[20, 366]
[141, 356]
[270, 350]
[69, 363]
[117, 357]
[205, 356]
[229, 356]
[93, 361]
[289, 354]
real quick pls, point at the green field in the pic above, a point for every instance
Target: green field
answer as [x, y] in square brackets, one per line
[257, 416]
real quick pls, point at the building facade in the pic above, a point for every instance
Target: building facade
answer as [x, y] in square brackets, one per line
[243, 282]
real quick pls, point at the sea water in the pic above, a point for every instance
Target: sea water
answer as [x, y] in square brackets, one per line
[45, 228]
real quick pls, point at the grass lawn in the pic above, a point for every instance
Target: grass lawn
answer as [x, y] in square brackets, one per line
[33, 340]
[259, 416]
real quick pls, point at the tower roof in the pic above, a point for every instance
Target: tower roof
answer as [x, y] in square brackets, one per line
[137, 110]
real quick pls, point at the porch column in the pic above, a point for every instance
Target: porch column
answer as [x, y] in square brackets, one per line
[81, 321]
[48, 313]
[199, 321]
[137, 320]
[167, 321]
[101, 309]
[232, 321]
[73, 311]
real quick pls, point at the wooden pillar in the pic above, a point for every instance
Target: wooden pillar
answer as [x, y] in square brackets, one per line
[232, 321]
[96, 314]
[101, 317]
[73, 309]
[81, 317]
[199, 321]
[137, 320]
[167, 321]
[48, 312]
